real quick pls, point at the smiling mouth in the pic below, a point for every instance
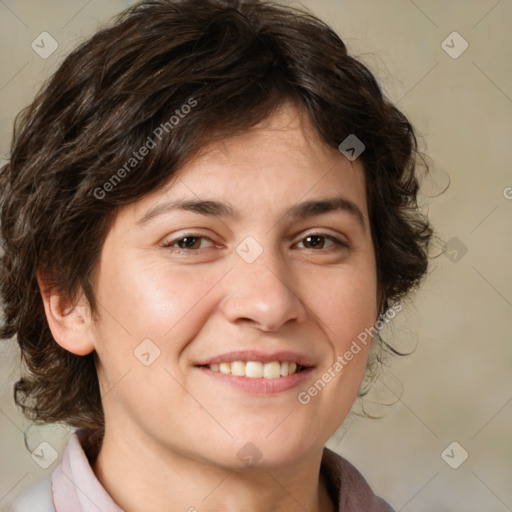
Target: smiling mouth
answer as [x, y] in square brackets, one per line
[256, 369]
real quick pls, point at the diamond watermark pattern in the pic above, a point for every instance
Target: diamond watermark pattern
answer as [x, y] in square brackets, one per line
[455, 250]
[44, 45]
[351, 147]
[454, 45]
[44, 454]
[146, 352]
[249, 455]
[249, 249]
[454, 455]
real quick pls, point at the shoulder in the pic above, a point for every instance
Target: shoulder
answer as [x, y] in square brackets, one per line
[35, 498]
[349, 487]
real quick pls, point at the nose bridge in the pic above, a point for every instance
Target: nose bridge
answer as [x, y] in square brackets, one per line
[260, 289]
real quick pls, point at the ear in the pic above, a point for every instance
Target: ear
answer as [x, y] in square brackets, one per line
[70, 322]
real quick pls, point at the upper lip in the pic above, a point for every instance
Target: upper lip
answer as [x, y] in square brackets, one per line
[263, 357]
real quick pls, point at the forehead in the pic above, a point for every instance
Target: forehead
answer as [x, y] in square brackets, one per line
[280, 161]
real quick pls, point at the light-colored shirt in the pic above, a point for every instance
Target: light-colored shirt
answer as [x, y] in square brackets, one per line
[73, 486]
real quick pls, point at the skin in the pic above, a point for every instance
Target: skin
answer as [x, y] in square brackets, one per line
[172, 431]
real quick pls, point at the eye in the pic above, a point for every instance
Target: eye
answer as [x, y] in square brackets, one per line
[317, 241]
[186, 244]
[192, 243]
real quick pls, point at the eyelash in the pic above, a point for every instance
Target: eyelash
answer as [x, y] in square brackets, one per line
[168, 245]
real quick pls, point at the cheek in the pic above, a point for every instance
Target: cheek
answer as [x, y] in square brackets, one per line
[156, 303]
[345, 303]
[153, 300]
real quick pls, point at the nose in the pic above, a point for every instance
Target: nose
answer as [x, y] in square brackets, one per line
[262, 294]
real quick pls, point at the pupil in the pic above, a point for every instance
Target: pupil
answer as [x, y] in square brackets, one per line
[188, 241]
[315, 238]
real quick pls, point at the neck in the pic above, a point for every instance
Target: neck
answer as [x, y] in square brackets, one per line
[142, 476]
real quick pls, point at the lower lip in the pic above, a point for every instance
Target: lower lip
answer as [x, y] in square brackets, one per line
[259, 386]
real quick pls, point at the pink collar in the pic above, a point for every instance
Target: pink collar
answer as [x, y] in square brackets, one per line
[75, 486]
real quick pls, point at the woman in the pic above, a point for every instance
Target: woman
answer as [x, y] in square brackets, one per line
[205, 210]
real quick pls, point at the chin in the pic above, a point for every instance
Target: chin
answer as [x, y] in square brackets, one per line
[264, 452]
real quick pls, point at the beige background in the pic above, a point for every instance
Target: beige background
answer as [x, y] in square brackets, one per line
[456, 386]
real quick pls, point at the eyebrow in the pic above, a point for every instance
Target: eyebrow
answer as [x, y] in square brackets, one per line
[300, 211]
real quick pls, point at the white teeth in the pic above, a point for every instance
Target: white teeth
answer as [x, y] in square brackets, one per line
[225, 367]
[272, 370]
[253, 369]
[256, 369]
[238, 368]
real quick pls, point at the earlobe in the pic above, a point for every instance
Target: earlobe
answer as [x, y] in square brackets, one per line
[70, 322]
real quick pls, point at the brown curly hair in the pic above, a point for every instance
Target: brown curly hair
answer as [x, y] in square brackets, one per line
[239, 60]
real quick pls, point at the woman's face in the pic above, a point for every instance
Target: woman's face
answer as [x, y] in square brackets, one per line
[252, 270]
